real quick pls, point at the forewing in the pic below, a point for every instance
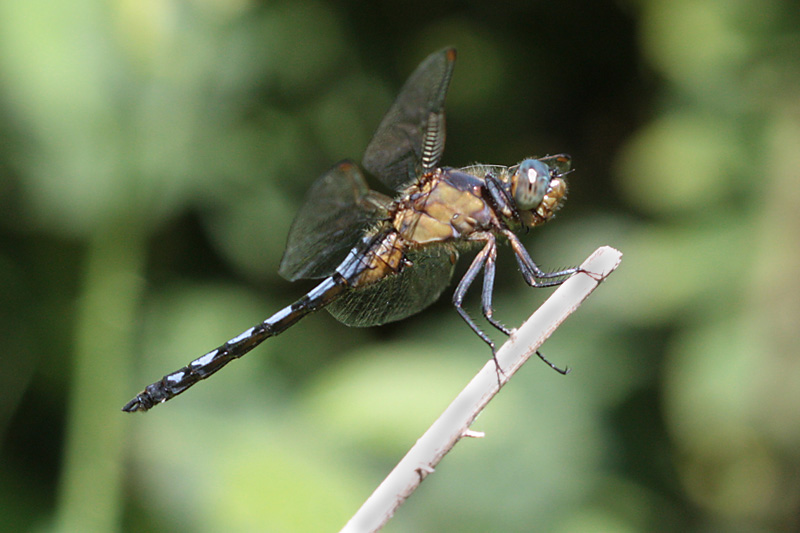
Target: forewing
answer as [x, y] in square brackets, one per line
[562, 162]
[338, 208]
[411, 136]
[400, 295]
[481, 170]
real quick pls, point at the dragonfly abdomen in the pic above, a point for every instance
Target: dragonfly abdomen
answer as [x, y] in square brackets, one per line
[175, 383]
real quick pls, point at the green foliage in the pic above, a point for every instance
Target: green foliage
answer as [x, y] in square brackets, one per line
[155, 152]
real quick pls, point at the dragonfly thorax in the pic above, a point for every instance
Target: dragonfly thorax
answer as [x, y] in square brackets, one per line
[445, 205]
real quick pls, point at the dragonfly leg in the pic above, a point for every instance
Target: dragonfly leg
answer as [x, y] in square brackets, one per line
[563, 371]
[533, 273]
[489, 269]
[499, 196]
[465, 283]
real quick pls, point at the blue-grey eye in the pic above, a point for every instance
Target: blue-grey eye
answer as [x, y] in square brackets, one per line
[530, 184]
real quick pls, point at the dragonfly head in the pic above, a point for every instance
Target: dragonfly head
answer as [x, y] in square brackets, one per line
[538, 189]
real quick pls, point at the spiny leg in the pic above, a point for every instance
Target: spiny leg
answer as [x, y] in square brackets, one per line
[530, 271]
[489, 270]
[484, 259]
[563, 371]
[465, 283]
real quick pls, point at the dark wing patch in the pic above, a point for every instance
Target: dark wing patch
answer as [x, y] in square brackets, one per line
[410, 138]
[338, 208]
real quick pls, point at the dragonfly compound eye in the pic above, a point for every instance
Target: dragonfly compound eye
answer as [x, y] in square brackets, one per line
[529, 184]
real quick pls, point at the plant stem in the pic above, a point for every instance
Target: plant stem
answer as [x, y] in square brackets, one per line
[90, 487]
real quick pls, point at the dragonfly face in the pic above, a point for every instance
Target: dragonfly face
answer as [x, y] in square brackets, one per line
[538, 190]
[384, 258]
[529, 184]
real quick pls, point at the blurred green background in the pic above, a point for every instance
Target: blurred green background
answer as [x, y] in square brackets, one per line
[153, 154]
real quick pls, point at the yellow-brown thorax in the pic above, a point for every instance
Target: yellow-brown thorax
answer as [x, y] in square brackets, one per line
[437, 209]
[447, 205]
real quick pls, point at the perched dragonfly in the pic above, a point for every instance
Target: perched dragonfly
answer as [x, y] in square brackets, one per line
[384, 259]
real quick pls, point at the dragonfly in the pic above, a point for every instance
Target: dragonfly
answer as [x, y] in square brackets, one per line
[382, 259]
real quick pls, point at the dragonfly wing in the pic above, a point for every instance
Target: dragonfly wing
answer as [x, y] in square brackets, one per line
[397, 296]
[337, 210]
[482, 170]
[410, 138]
[562, 162]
